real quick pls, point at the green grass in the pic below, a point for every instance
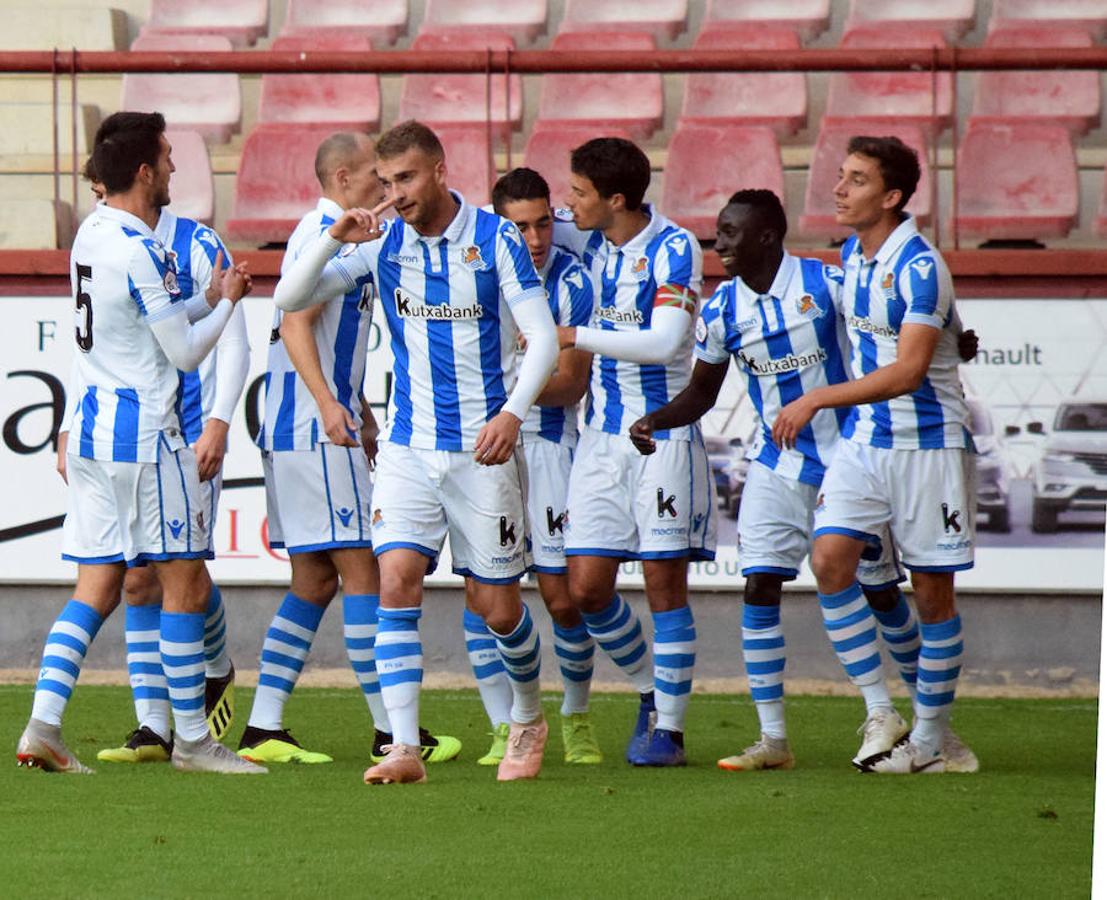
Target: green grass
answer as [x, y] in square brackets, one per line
[1021, 827]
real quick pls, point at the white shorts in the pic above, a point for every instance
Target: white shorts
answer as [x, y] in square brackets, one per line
[547, 481]
[210, 492]
[775, 522]
[318, 499]
[928, 497]
[420, 496]
[135, 512]
[626, 505]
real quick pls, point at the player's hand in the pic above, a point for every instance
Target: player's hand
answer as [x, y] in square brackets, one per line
[792, 420]
[566, 336]
[339, 424]
[641, 435]
[236, 283]
[210, 448]
[967, 345]
[369, 435]
[357, 225]
[63, 444]
[214, 293]
[497, 439]
[241, 267]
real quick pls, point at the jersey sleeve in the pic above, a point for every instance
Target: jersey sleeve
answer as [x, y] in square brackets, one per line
[577, 298]
[678, 272]
[518, 277]
[205, 246]
[927, 295]
[152, 281]
[834, 279]
[711, 330]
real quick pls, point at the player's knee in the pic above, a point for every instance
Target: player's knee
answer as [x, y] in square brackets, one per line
[586, 594]
[832, 571]
[883, 599]
[763, 589]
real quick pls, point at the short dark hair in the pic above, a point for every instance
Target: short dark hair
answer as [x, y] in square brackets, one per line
[519, 184]
[768, 207]
[335, 150]
[614, 166]
[899, 164]
[403, 137]
[124, 142]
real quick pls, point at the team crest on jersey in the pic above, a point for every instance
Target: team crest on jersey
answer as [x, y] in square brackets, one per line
[807, 307]
[641, 268]
[471, 257]
[701, 330]
[889, 280]
[377, 517]
[170, 281]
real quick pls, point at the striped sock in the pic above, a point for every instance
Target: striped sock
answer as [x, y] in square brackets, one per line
[359, 628]
[575, 651]
[488, 669]
[763, 654]
[287, 644]
[939, 669]
[400, 667]
[147, 677]
[851, 627]
[618, 631]
[674, 657]
[66, 646]
[217, 664]
[522, 654]
[182, 657]
[900, 629]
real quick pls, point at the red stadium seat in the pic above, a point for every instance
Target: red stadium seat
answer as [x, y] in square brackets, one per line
[1016, 181]
[210, 104]
[778, 100]
[383, 21]
[818, 219]
[470, 168]
[240, 21]
[1091, 15]
[903, 97]
[460, 99]
[548, 150]
[630, 100]
[524, 20]
[808, 18]
[276, 182]
[661, 18]
[1071, 99]
[1101, 215]
[708, 163]
[351, 102]
[191, 189]
[952, 17]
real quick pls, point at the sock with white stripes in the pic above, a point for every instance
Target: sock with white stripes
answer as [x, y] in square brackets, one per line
[900, 629]
[148, 686]
[359, 628]
[674, 658]
[851, 627]
[286, 647]
[763, 654]
[488, 669]
[217, 664]
[618, 631]
[182, 658]
[575, 651]
[399, 655]
[66, 646]
[939, 669]
[522, 654]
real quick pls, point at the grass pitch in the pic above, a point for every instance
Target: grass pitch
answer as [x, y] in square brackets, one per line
[1021, 827]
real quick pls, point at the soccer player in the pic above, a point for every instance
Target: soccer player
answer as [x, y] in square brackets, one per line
[454, 282]
[622, 505]
[549, 436]
[134, 488]
[778, 317]
[906, 458]
[318, 442]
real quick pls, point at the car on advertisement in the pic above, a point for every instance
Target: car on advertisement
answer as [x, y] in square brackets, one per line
[726, 457]
[992, 478]
[1071, 474]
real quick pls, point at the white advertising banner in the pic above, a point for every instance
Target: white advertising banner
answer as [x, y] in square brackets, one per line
[1038, 391]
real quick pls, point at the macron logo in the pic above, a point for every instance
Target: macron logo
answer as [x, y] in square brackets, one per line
[678, 245]
[924, 267]
[409, 308]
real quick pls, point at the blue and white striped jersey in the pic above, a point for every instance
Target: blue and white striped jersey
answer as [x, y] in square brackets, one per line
[193, 247]
[125, 388]
[627, 279]
[569, 291]
[786, 343]
[291, 420]
[447, 299]
[584, 244]
[907, 282]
